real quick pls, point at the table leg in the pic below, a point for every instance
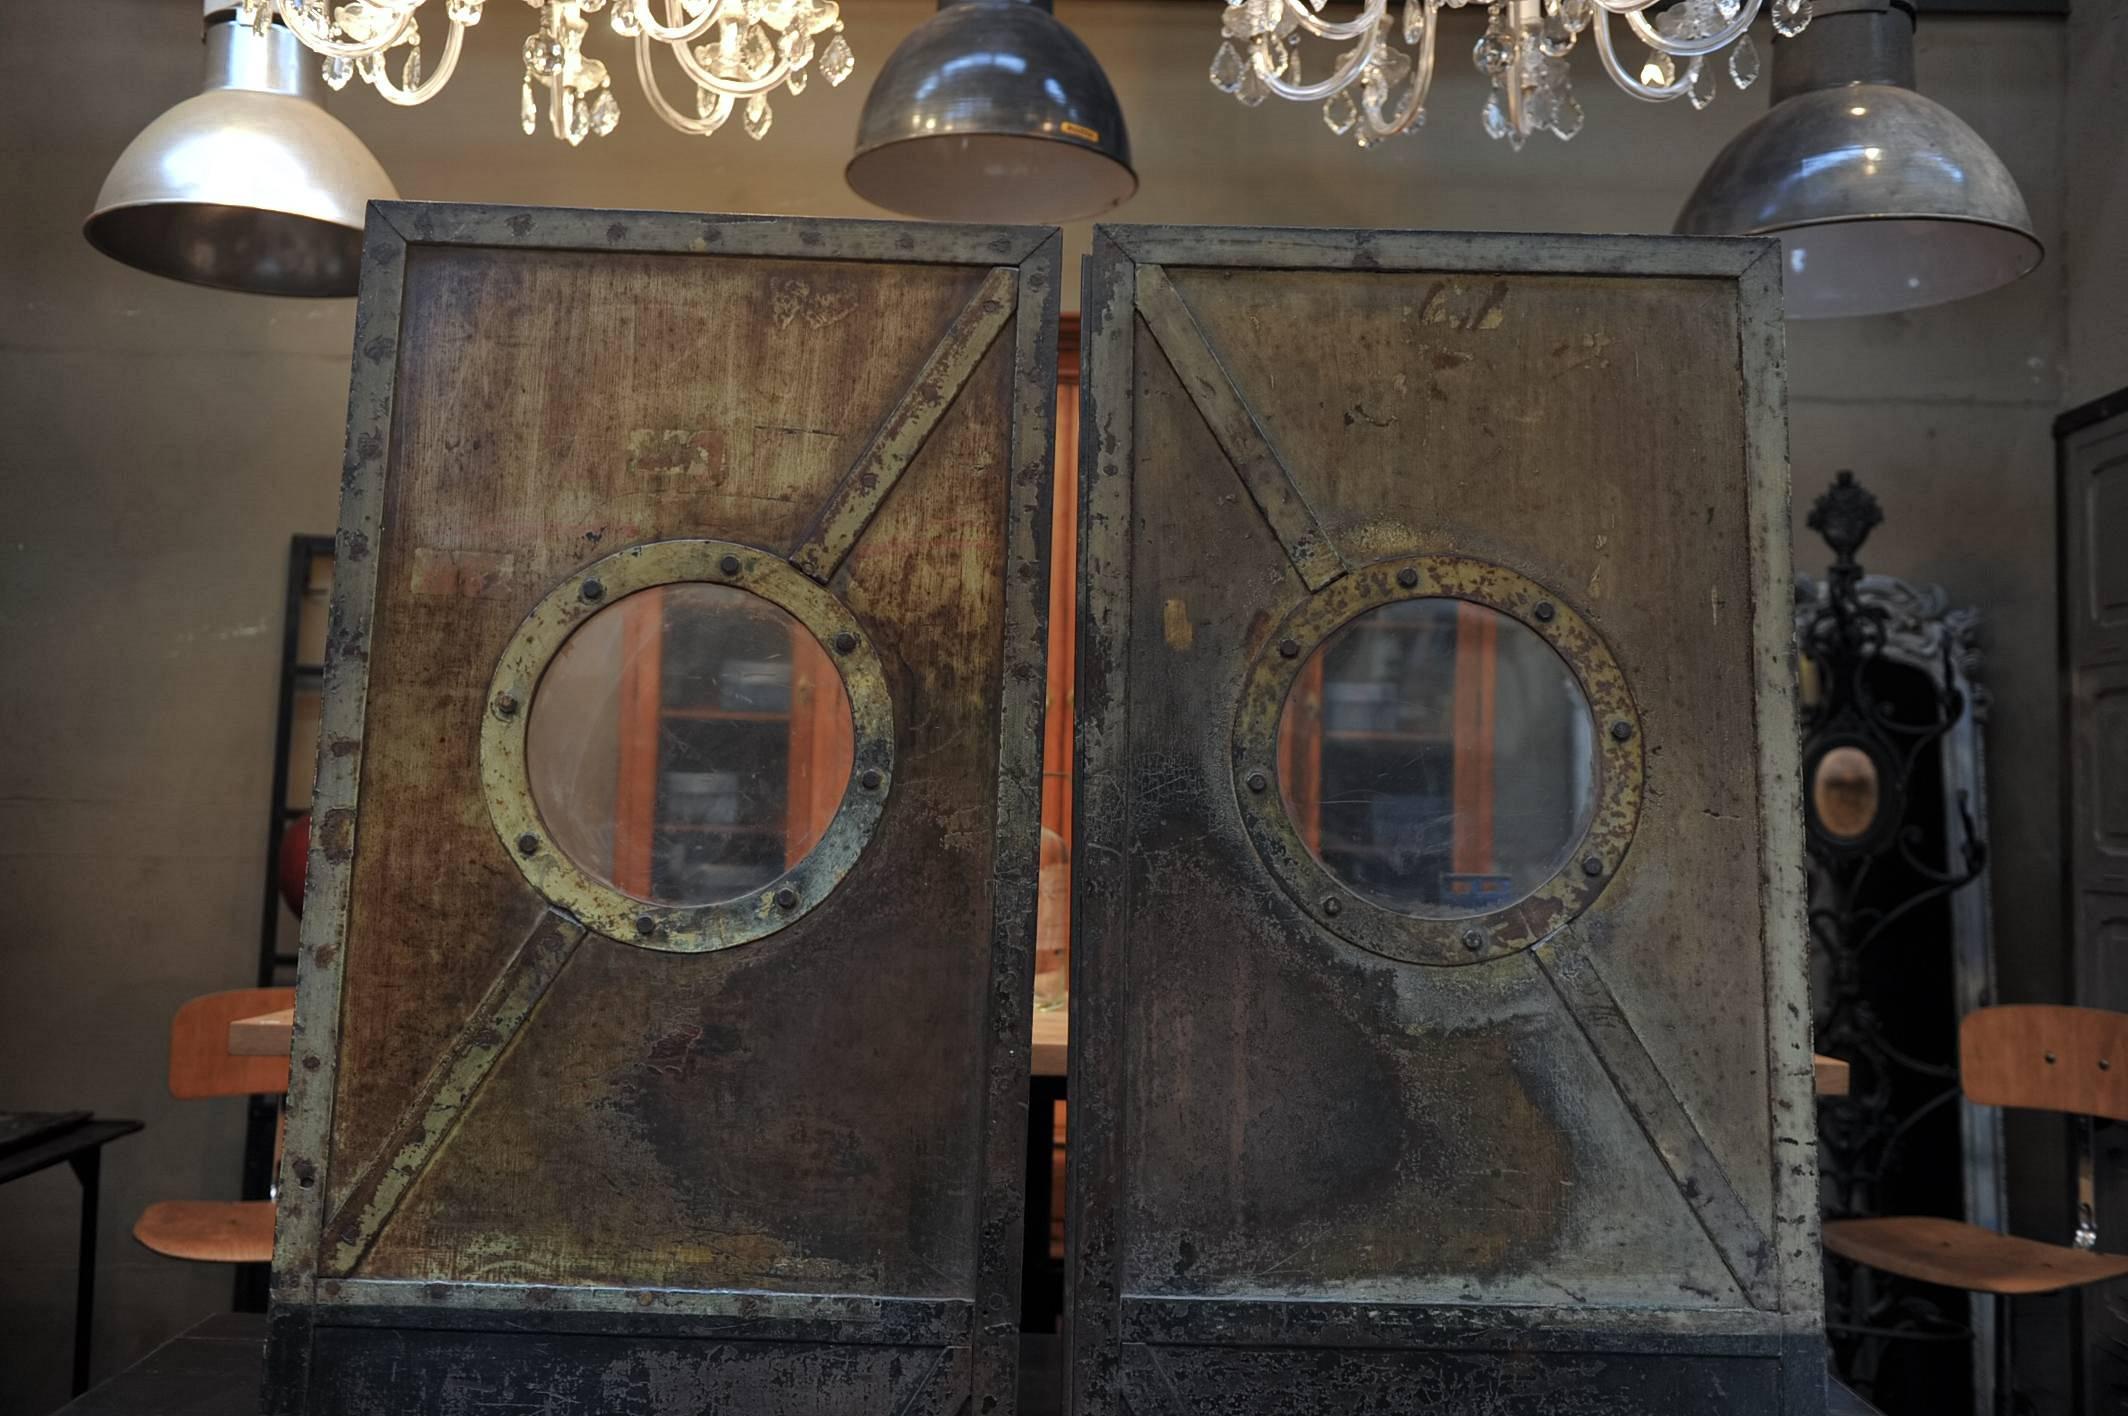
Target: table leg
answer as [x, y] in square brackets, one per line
[88, 1169]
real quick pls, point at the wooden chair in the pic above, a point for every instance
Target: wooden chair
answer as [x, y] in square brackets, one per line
[201, 1065]
[2072, 1060]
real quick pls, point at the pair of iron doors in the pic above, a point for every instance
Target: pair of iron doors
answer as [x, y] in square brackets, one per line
[609, 1098]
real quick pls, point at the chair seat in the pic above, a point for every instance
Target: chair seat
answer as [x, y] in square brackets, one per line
[211, 1231]
[1966, 1256]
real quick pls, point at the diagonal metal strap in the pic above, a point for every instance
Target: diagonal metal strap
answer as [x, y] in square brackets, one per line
[863, 489]
[1737, 1237]
[456, 1079]
[1240, 436]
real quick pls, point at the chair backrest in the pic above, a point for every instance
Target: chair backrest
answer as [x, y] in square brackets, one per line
[2047, 1059]
[200, 1061]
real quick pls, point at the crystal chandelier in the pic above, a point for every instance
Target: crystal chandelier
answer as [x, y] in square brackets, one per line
[730, 51]
[1374, 90]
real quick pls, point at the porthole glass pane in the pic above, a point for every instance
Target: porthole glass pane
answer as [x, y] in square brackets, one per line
[688, 744]
[1439, 758]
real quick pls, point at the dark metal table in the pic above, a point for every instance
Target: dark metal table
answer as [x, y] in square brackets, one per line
[80, 1144]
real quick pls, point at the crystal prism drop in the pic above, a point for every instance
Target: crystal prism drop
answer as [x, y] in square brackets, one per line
[1414, 20]
[796, 81]
[410, 76]
[705, 103]
[1577, 14]
[1790, 16]
[1555, 39]
[836, 61]
[1660, 70]
[1338, 113]
[1567, 120]
[1744, 63]
[527, 110]
[1227, 71]
[1495, 117]
[1728, 9]
[543, 54]
[578, 118]
[624, 20]
[758, 117]
[1253, 90]
[605, 112]
[1703, 84]
[337, 72]
[463, 12]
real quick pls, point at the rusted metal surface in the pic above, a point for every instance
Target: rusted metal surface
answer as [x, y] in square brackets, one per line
[460, 1072]
[1327, 1158]
[783, 901]
[1467, 940]
[857, 499]
[754, 1177]
[1247, 447]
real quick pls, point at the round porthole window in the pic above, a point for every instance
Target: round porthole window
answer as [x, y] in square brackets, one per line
[1439, 760]
[687, 745]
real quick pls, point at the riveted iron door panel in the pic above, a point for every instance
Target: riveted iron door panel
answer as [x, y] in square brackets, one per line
[1439, 1037]
[661, 1037]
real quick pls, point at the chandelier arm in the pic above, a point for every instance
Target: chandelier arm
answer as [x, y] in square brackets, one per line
[317, 41]
[1416, 93]
[1693, 48]
[1321, 88]
[648, 25]
[737, 88]
[646, 74]
[1607, 50]
[382, 81]
[1626, 7]
[1371, 14]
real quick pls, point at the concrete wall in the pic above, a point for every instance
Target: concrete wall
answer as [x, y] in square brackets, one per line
[161, 444]
[2096, 158]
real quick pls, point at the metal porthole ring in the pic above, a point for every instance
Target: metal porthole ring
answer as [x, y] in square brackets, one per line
[1454, 940]
[685, 929]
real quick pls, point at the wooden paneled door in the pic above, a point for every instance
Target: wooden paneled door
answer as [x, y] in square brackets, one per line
[2093, 467]
[1440, 1035]
[662, 1033]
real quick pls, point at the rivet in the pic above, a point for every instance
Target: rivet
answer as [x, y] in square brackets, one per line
[871, 779]
[1407, 577]
[307, 1180]
[1621, 730]
[787, 898]
[1332, 905]
[1474, 939]
[1289, 648]
[2050, 1059]
[2104, 1065]
[311, 1064]
[644, 924]
[1545, 611]
[1592, 865]
[729, 565]
[1258, 781]
[528, 844]
[593, 591]
[506, 704]
[845, 641]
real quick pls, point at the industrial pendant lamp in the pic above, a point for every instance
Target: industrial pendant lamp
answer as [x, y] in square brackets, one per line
[992, 110]
[251, 185]
[1883, 199]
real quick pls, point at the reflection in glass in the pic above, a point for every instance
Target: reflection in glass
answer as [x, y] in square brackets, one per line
[688, 744]
[1438, 757]
[1843, 793]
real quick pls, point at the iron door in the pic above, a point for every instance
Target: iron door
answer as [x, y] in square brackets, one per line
[1440, 1035]
[662, 1028]
[2092, 458]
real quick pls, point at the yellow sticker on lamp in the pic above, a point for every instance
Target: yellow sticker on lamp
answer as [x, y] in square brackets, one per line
[1076, 130]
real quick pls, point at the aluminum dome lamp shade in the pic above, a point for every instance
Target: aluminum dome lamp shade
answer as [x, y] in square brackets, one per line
[249, 186]
[992, 111]
[1883, 199]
